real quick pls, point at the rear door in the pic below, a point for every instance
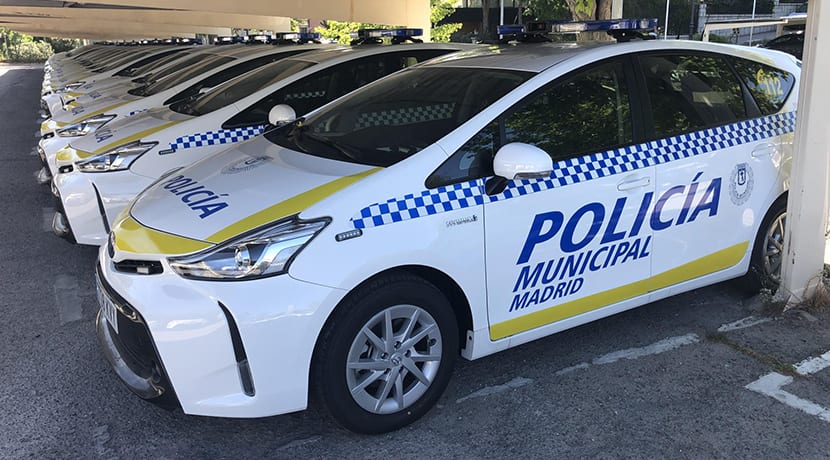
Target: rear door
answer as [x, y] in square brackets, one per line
[718, 159]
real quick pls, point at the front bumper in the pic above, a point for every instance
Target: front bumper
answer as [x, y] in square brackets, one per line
[90, 202]
[210, 334]
[131, 352]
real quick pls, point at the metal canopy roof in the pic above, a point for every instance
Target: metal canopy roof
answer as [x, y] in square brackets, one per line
[148, 18]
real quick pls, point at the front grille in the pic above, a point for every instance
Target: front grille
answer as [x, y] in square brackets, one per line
[139, 267]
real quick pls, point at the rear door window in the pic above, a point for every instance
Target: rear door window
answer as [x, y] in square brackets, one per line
[691, 92]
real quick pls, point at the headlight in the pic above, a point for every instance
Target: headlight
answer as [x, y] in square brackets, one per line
[70, 87]
[86, 126]
[264, 252]
[116, 159]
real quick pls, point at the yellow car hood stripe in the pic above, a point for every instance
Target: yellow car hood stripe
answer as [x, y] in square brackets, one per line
[69, 154]
[136, 136]
[51, 124]
[287, 207]
[131, 236]
[709, 264]
[98, 112]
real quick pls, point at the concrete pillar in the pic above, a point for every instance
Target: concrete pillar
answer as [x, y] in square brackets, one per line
[808, 197]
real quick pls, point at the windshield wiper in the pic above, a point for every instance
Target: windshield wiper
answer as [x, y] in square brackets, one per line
[344, 152]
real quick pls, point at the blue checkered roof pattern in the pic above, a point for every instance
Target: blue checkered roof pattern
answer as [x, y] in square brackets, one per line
[575, 170]
[219, 136]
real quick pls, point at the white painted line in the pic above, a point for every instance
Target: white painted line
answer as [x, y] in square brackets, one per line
[662, 346]
[48, 215]
[101, 436]
[568, 370]
[299, 443]
[487, 391]
[67, 298]
[655, 348]
[770, 385]
[744, 323]
[813, 365]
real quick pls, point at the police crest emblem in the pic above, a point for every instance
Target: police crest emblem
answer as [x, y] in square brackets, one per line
[740, 183]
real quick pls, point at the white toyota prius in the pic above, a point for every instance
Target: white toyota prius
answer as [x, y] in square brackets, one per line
[463, 206]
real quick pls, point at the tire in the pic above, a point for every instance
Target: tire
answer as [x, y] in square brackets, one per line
[768, 250]
[388, 389]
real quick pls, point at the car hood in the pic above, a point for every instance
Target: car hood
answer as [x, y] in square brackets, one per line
[127, 129]
[234, 192]
[86, 107]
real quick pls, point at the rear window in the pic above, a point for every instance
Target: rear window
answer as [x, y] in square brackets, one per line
[770, 87]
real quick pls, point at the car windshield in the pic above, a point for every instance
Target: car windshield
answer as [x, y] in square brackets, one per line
[240, 87]
[396, 117]
[151, 63]
[172, 76]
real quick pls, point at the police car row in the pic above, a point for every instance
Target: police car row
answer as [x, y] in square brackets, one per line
[464, 205]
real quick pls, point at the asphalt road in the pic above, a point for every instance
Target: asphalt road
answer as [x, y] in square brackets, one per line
[658, 382]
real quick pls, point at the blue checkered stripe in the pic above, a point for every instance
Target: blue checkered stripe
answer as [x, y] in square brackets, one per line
[576, 170]
[220, 136]
[425, 203]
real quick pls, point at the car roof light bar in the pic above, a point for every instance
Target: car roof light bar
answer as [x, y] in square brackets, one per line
[296, 37]
[621, 29]
[376, 36]
[227, 40]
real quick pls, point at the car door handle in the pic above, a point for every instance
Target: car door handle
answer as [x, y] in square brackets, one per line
[763, 150]
[635, 183]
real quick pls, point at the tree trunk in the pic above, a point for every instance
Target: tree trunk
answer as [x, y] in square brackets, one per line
[603, 9]
[485, 20]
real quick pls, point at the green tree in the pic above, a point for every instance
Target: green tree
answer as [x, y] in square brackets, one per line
[440, 9]
[341, 31]
[547, 9]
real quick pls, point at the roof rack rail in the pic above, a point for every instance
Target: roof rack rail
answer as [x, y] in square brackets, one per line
[622, 30]
[376, 36]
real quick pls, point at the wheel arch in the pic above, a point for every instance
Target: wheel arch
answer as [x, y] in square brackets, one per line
[455, 295]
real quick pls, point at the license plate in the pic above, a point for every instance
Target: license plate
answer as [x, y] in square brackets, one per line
[107, 308]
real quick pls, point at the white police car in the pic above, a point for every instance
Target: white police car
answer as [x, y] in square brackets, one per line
[470, 204]
[129, 77]
[101, 172]
[67, 80]
[196, 74]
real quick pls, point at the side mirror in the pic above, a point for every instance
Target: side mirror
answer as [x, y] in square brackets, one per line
[281, 114]
[522, 161]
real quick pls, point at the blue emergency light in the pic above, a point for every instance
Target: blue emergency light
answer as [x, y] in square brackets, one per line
[621, 29]
[227, 40]
[303, 37]
[375, 36]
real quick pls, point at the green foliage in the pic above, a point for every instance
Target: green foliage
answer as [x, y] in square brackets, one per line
[59, 45]
[30, 51]
[23, 48]
[340, 31]
[548, 9]
[440, 9]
